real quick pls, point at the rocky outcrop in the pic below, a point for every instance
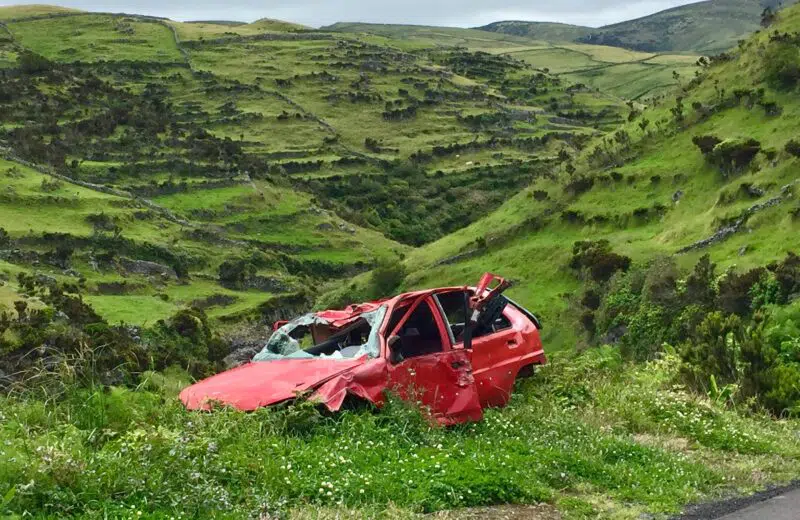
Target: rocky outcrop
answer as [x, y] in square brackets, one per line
[147, 268]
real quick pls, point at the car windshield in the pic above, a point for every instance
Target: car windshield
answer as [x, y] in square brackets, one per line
[310, 336]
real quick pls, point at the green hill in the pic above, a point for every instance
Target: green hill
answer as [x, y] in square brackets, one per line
[703, 27]
[546, 31]
[248, 162]
[612, 70]
[649, 190]
[168, 191]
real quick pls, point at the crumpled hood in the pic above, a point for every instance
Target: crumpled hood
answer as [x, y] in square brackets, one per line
[260, 384]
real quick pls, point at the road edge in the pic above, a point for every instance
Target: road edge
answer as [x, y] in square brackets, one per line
[718, 509]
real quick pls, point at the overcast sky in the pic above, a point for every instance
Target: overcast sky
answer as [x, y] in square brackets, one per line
[459, 13]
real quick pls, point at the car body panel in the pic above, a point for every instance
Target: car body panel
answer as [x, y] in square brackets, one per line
[453, 383]
[256, 385]
[442, 381]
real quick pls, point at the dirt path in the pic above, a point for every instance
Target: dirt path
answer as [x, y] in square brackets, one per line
[509, 512]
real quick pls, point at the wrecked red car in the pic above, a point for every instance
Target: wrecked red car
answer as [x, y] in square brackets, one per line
[456, 350]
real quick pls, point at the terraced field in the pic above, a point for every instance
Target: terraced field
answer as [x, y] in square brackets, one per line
[624, 73]
[223, 164]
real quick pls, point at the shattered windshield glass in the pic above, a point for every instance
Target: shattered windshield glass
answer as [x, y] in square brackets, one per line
[310, 336]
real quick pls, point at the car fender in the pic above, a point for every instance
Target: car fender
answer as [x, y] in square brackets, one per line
[366, 382]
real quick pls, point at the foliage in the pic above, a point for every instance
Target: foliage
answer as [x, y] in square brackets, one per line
[385, 279]
[782, 65]
[713, 350]
[706, 143]
[793, 147]
[733, 155]
[170, 462]
[597, 259]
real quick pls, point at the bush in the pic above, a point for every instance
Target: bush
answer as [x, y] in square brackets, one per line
[793, 148]
[32, 63]
[647, 330]
[787, 275]
[386, 278]
[734, 155]
[735, 291]
[597, 259]
[712, 351]
[185, 340]
[701, 287]
[782, 65]
[706, 143]
[5, 238]
[771, 357]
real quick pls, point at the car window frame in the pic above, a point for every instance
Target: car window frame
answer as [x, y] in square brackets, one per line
[449, 326]
[439, 320]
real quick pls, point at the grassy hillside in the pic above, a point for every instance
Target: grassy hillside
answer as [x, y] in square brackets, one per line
[545, 31]
[649, 191]
[254, 162]
[216, 29]
[612, 70]
[625, 73]
[197, 183]
[12, 12]
[430, 36]
[703, 27]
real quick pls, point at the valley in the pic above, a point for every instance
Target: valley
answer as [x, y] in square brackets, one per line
[169, 190]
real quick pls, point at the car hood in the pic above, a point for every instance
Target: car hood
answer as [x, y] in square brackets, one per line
[260, 384]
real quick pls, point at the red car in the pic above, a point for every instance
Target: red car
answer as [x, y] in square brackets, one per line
[456, 350]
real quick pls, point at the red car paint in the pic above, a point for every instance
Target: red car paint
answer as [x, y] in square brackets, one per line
[455, 383]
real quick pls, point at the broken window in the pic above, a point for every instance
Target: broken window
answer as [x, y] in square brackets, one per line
[419, 335]
[311, 337]
[455, 309]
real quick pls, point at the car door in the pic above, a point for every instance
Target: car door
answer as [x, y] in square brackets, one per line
[495, 354]
[423, 366]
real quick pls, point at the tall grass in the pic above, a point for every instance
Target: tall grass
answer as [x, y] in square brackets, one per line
[580, 428]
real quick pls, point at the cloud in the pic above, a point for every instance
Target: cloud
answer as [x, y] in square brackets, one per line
[461, 13]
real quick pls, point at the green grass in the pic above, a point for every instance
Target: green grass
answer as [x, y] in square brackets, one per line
[132, 309]
[569, 437]
[22, 11]
[205, 30]
[97, 37]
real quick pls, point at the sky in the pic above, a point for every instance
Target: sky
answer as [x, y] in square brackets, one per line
[456, 13]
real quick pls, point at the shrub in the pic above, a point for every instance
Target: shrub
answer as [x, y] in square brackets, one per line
[771, 357]
[661, 283]
[734, 155]
[646, 332]
[597, 259]
[735, 291]
[782, 65]
[32, 63]
[184, 340]
[50, 185]
[5, 238]
[712, 351]
[793, 148]
[787, 275]
[234, 273]
[701, 287]
[706, 143]
[766, 291]
[386, 278]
